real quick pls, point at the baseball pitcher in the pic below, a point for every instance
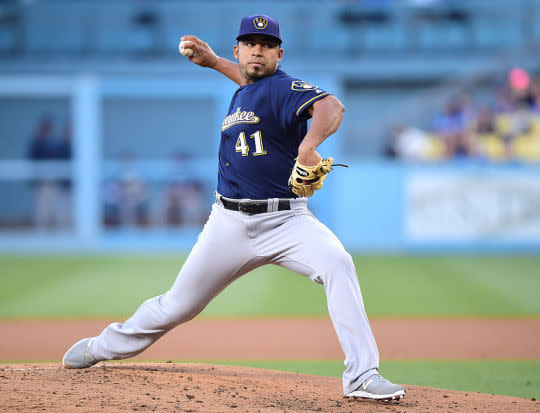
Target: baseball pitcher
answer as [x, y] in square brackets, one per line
[268, 167]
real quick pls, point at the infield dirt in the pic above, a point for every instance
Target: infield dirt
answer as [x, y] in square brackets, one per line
[294, 338]
[209, 388]
[167, 387]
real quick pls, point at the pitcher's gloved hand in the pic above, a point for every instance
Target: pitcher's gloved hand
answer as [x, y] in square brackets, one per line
[305, 180]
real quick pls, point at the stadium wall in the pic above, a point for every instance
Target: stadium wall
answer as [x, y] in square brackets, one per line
[460, 206]
[375, 206]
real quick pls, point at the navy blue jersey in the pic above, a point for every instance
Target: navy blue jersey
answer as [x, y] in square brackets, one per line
[260, 136]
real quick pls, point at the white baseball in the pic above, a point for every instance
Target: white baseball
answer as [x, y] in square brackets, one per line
[185, 51]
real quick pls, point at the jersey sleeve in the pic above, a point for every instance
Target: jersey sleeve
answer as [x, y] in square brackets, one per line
[293, 98]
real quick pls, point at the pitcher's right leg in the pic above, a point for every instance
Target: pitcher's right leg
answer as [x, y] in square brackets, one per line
[210, 267]
[314, 251]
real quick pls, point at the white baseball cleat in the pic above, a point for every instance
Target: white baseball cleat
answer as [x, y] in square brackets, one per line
[80, 356]
[376, 387]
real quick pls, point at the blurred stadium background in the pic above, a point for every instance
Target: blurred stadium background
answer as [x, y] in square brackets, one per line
[109, 137]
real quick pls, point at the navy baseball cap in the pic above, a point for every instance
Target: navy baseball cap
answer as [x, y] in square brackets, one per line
[259, 24]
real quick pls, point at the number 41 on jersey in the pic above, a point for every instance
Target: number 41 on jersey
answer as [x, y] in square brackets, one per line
[243, 147]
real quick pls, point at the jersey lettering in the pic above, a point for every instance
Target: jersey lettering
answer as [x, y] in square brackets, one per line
[241, 144]
[239, 117]
[257, 137]
[243, 147]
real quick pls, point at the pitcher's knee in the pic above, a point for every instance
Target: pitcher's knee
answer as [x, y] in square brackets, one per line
[339, 266]
[177, 312]
[343, 262]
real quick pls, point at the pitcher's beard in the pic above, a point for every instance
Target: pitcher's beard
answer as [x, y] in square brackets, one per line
[255, 73]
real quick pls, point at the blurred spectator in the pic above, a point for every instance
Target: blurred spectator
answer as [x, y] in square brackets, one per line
[173, 205]
[449, 126]
[184, 204]
[127, 204]
[468, 109]
[125, 201]
[42, 145]
[413, 144]
[52, 203]
[487, 143]
[485, 122]
[194, 209]
[508, 131]
[519, 80]
[133, 207]
[524, 126]
[503, 100]
[450, 122]
[112, 200]
[461, 146]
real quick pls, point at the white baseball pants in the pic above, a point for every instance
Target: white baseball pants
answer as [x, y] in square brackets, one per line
[232, 244]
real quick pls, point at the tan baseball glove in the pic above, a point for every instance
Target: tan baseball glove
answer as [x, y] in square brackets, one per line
[305, 180]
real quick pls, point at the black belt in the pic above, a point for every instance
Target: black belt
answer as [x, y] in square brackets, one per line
[253, 207]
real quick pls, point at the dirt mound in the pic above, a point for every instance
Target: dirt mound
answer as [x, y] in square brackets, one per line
[119, 387]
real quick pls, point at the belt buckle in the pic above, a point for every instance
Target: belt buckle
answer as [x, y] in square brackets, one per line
[242, 208]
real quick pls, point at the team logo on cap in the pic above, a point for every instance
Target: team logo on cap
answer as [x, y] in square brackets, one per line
[260, 22]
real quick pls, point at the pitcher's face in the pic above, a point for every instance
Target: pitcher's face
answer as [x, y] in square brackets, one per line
[258, 56]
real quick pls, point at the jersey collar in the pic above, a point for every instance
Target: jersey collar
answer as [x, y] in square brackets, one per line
[279, 72]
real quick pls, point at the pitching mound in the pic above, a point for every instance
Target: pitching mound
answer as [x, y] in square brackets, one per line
[119, 387]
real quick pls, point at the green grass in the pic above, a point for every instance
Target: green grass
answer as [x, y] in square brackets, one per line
[392, 286]
[402, 286]
[511, 378]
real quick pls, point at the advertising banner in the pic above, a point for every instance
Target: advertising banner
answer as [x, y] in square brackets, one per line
[468, 207]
